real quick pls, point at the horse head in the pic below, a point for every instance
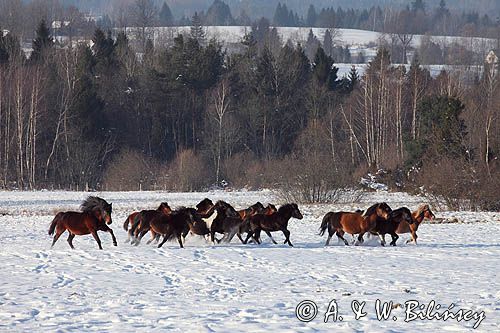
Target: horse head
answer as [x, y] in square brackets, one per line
[294, 210]
[165, 208]
[204, 206]
[382, 210]
[100, 208]
[428, 214]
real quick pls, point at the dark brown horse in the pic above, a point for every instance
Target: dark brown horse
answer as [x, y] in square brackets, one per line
[389, 225]
[353, 223]
[141, 222]
[245, 226]
[204, 206]
[423, 212]
[275, 222]
[175, 224]
[95, 214]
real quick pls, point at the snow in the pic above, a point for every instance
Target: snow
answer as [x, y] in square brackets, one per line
[235, 287]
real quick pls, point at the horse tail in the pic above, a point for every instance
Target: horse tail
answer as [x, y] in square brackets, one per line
[324, 223]
[53, 225]
[125, 224]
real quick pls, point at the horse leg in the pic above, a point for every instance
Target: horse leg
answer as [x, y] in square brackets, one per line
[287, 235]
[256, 236]
[59, 232]
[138, 239]
[413, 238]
[271, 236]
[212, 236]
[239, 236]
[382, 238]
[70, 239]
[249, 234]
[163, 241]
[340, 235]
[96, 237]
[360, 238]
[179, 239]
[394, 238]
[153, 237]
[108, 229]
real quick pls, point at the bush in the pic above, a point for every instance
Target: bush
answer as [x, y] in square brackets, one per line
[131, 170]
[187, 172]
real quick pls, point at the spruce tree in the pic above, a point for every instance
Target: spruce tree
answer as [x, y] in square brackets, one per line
[165, 16]
[42, 42]
[197, 31]
[311, 16]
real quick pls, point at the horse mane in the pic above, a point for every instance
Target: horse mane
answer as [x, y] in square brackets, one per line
[93, 203]
[372, 209]
[286, 207]
[399, 211]
[163, 204]
[421, 209]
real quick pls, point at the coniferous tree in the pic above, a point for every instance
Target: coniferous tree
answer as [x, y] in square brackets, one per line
[328, 43]
[197, 31]
[42, 42]
[323, 70]
[311, 16]
[219, 14]
[165, 16]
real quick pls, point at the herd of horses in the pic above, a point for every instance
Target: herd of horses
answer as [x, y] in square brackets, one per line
[208, 219]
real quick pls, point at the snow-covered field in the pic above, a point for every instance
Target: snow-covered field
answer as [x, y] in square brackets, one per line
[235, 287]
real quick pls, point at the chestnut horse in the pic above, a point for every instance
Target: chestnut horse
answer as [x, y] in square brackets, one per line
[423, 212]
[275, 222]
[389, 226]
[141, 222]
[95, 214]
[353, 223]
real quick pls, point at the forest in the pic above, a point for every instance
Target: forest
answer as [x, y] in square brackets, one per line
[190, 116]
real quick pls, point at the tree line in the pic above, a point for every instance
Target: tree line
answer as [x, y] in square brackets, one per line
[188, 116]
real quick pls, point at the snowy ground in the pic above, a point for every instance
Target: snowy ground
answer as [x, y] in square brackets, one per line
[229, 288]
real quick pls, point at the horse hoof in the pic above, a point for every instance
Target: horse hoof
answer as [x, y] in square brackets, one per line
[115, 244]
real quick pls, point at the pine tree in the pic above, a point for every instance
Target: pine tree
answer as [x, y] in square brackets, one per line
[197, 31]
[219, 14]
[42, 42]
[311, 16]
[418, 5]
[166, 18]
[323, 69]
[353, 77]
[328, 43]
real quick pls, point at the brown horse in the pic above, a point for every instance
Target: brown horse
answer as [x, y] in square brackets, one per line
[141, 222]
[95, 214]
[245, 226]
[175, 224]
[204, 206]
[423, 212]
[275, 222]
[389, 226]
[130, 220]
[353, 223]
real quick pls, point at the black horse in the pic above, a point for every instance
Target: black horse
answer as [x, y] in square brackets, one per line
[391, 224]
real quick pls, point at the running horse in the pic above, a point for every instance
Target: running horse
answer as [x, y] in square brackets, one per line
[95, 215]
[274, 222]
[423, 212]
[353, 223]
[389, 225]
